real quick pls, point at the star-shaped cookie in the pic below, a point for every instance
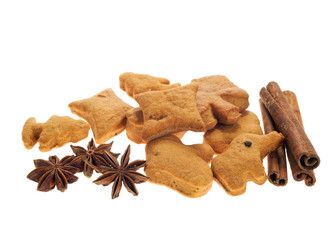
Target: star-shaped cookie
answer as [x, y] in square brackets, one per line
[170, 111]
[105, 112]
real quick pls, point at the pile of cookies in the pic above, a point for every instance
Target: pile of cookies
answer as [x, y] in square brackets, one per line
[165, 112]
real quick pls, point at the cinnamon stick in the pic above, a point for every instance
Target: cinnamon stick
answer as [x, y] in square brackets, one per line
[287, 123]
[298, 174]
[277, 169]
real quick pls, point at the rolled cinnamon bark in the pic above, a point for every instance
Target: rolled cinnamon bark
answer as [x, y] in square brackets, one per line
[298, 174]
[287, 123]
[277, 169]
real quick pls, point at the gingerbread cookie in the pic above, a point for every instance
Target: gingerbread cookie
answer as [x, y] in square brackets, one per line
[105, 112]
[134, 126]
[242, 161]
[133, 83]
[218, 99]
[31, 132]
[221, 136]
[56, 132]
[180, 167]
[169, 111]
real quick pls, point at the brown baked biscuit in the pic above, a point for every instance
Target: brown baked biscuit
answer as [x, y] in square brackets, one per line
[31, 132]
[180, 167]
[105, 112]
[218, 99]
[242, 161]
[221, 136]
[169, 111]
[133, 83]
[56, 132]
[134, 126]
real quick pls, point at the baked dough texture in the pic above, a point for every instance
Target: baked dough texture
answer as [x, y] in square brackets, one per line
[242, 161]
[170, 111]
[219, 100]
[134, 83]
[180, 167]
[134, 126]
[54, 133]
[221, 136]
[105, 112]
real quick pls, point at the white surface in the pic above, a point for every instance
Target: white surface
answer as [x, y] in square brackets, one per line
[55, 52]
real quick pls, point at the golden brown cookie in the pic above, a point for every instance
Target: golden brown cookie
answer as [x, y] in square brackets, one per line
[221, 136]
[56, 132]
[134, 126]
[169, 111]
[180, 167]
[31, 132]
[218, 99]
[105, 112]
[133, 83]
[242, 161]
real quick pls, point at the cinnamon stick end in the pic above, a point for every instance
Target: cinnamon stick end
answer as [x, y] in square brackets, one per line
[309, 181]
[309, 162]
[276, 180]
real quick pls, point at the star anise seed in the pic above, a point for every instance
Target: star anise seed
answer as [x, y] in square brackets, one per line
[53, 172]
[90, 159]
[124, 172]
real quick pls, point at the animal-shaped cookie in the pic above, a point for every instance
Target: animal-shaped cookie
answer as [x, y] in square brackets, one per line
[56, 132]
[242, 161]
[105, 112]
[218, 99]
[221, 136]
[180, 167]
[169, 111]
[134, 126]
[133, 83]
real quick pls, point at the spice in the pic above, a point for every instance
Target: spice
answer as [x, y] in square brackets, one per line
[298, 174]
[287, 123]
[277, 167]
[90, 159]
[124, 172]
[53, 172]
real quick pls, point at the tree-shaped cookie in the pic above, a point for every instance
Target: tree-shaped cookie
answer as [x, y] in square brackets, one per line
[221, 136]
[169, 111]
[218, 99]
[180, 167]
[105, 112]
[133, 83]
[242, 161]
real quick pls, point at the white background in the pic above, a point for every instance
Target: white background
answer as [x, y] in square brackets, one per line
[56, 52]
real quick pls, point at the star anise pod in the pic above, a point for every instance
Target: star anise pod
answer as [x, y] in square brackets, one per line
[53, 172]
[124, 172]
[90, 159]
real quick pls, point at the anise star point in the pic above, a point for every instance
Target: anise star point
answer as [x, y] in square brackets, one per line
[90, 159]
[53, 172]
[123, 172]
